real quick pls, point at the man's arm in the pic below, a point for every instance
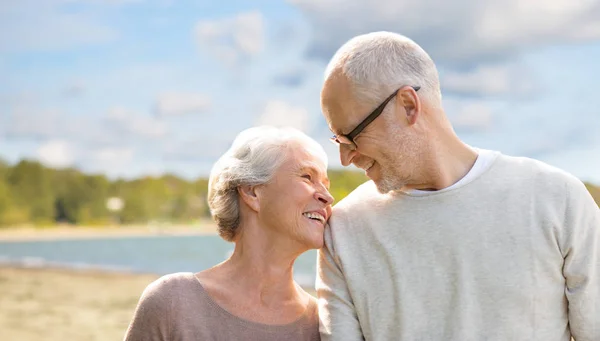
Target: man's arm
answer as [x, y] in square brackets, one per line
[338, 318]
[582, 264]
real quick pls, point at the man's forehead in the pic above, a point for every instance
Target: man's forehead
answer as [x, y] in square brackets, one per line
[338, 105]
[343, 118]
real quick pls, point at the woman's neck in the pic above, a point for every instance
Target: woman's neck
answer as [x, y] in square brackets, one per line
[262, 266]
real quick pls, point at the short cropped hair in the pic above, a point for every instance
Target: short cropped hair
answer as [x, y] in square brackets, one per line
[378, 63]
[254, 157]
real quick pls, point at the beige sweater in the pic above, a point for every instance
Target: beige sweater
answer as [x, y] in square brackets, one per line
[176, 307]
[514, 254]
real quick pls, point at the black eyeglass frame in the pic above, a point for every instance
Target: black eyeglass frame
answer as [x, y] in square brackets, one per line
[362, 125]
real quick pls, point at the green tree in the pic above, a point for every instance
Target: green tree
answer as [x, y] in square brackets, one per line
[80, 198]
[344, 181]
[30, 186]
[30, 192]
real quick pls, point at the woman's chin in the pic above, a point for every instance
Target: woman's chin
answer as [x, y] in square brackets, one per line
[315, 241]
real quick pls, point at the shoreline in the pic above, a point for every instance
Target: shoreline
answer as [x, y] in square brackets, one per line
[27, 234]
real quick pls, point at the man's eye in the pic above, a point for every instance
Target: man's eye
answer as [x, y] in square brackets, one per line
[307, 176]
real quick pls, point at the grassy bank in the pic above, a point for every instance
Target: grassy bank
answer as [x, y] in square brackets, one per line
[53, 304]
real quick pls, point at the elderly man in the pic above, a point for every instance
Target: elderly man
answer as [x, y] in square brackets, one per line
[447, 241]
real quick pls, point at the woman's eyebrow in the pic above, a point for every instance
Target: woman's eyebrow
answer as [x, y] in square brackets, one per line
[314, 170]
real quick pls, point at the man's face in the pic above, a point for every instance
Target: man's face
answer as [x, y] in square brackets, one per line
[383, 147]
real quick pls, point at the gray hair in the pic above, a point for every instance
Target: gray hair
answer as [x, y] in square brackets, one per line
[378, 63]
[253, 159]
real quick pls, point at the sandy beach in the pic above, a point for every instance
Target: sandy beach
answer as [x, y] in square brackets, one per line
[15, 234]
[58, 305]
[54, 304]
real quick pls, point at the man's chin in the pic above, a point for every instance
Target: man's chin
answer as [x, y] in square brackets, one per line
[381, 188]
[385, 187]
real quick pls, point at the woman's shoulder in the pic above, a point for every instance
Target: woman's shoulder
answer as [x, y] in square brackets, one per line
[164, 287]
[161, 306]
[171, 281]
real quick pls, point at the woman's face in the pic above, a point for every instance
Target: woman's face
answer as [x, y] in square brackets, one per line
[296, 203]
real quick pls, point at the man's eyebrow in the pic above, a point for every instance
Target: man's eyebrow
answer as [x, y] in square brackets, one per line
[336, 132]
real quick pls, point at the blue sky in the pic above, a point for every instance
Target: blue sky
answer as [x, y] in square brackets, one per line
[143, 87]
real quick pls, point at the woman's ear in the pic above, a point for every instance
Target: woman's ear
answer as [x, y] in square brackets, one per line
[250, 196]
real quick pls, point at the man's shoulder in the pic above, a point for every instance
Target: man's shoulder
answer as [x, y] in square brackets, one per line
[361, 204]
[541, 176]
[365, 194]
[534, 168]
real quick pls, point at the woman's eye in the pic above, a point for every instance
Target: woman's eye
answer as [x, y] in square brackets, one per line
[307, 176]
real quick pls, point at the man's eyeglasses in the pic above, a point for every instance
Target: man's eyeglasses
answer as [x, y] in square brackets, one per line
[348, 139]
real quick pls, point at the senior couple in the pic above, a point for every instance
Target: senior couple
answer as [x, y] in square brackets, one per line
[445, 242]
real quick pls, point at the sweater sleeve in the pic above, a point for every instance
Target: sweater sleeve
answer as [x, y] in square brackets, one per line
[337, 316]
[582, 263]
[152, 315]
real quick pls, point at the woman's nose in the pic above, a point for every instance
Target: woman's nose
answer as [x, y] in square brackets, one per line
[325, 197]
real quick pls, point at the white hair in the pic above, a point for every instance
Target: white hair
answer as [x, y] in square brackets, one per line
[378, 63]
[253, 159]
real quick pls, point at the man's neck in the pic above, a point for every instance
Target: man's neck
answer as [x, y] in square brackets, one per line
[449, 161]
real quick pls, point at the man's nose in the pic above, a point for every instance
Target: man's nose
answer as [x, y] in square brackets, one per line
[346, 155]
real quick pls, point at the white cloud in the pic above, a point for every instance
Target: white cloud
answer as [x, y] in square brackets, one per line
[194, 150]
[292, 76]
[249, 32]
[280, 113]
[48, 27]
[230, 39]
[489, 80]
[181, 103]
[27, 122]
[131, 123]
[102, 2]
[74, 89]
[469, 115]
[31, 122]
[56, 153]
[114, 161]
[111, 156]
[462, 31]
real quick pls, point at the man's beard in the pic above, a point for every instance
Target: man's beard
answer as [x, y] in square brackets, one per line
[398, 172]
[389, 182]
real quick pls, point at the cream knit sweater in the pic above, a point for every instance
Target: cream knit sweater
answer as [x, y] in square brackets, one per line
[514, 254]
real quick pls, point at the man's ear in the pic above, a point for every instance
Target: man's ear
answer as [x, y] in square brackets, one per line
[250, 196]
[411, 103]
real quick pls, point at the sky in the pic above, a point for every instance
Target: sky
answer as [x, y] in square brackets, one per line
[130, 88]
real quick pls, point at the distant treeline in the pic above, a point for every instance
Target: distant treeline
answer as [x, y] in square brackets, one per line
[33, 194]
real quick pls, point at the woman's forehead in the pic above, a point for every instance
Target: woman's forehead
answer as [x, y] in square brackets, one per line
[301, 158]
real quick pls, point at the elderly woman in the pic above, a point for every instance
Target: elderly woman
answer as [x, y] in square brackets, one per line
[269, 196]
